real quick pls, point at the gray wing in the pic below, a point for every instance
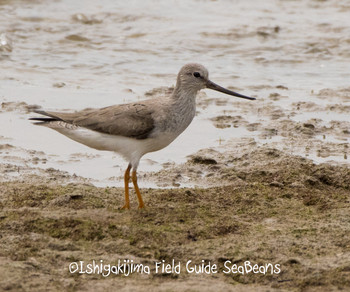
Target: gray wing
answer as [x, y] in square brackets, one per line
[129, 120]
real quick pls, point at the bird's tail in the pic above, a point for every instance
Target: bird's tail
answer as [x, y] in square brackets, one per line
[44, 120]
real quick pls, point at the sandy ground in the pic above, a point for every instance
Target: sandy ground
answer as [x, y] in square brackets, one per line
[266, 207]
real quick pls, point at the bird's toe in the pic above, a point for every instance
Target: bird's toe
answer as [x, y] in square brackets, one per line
[125, 207]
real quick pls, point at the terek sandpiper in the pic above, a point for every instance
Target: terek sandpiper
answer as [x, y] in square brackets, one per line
[137, 128]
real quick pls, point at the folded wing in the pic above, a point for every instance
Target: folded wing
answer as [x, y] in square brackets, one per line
[129, 120]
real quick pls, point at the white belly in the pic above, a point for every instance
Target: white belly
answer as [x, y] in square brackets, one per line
[131, 149]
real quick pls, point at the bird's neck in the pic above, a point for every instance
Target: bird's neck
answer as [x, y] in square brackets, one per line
[184, 94]
[183, 103]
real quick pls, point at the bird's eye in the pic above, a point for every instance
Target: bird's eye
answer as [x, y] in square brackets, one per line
[196, 74]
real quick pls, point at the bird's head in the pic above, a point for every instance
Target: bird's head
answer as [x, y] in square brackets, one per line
[194, 77]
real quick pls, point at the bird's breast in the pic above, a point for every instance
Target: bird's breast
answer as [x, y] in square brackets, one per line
[175, 119]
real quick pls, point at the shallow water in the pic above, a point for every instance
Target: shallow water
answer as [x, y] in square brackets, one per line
[73, 55]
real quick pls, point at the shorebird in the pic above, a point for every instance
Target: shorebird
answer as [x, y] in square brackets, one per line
[137, 128]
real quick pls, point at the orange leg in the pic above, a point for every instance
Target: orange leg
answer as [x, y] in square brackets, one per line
[126, 185]
[137, 190]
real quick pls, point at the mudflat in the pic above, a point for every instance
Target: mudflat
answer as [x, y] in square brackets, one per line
[269, 208]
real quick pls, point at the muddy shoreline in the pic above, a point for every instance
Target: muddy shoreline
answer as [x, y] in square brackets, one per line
[275, 193]
[266, 207]
[264, 181]
[312, 129]
[263, 197]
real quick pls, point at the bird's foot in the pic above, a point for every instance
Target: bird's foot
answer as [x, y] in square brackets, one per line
[125, 207]
[141, 206]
